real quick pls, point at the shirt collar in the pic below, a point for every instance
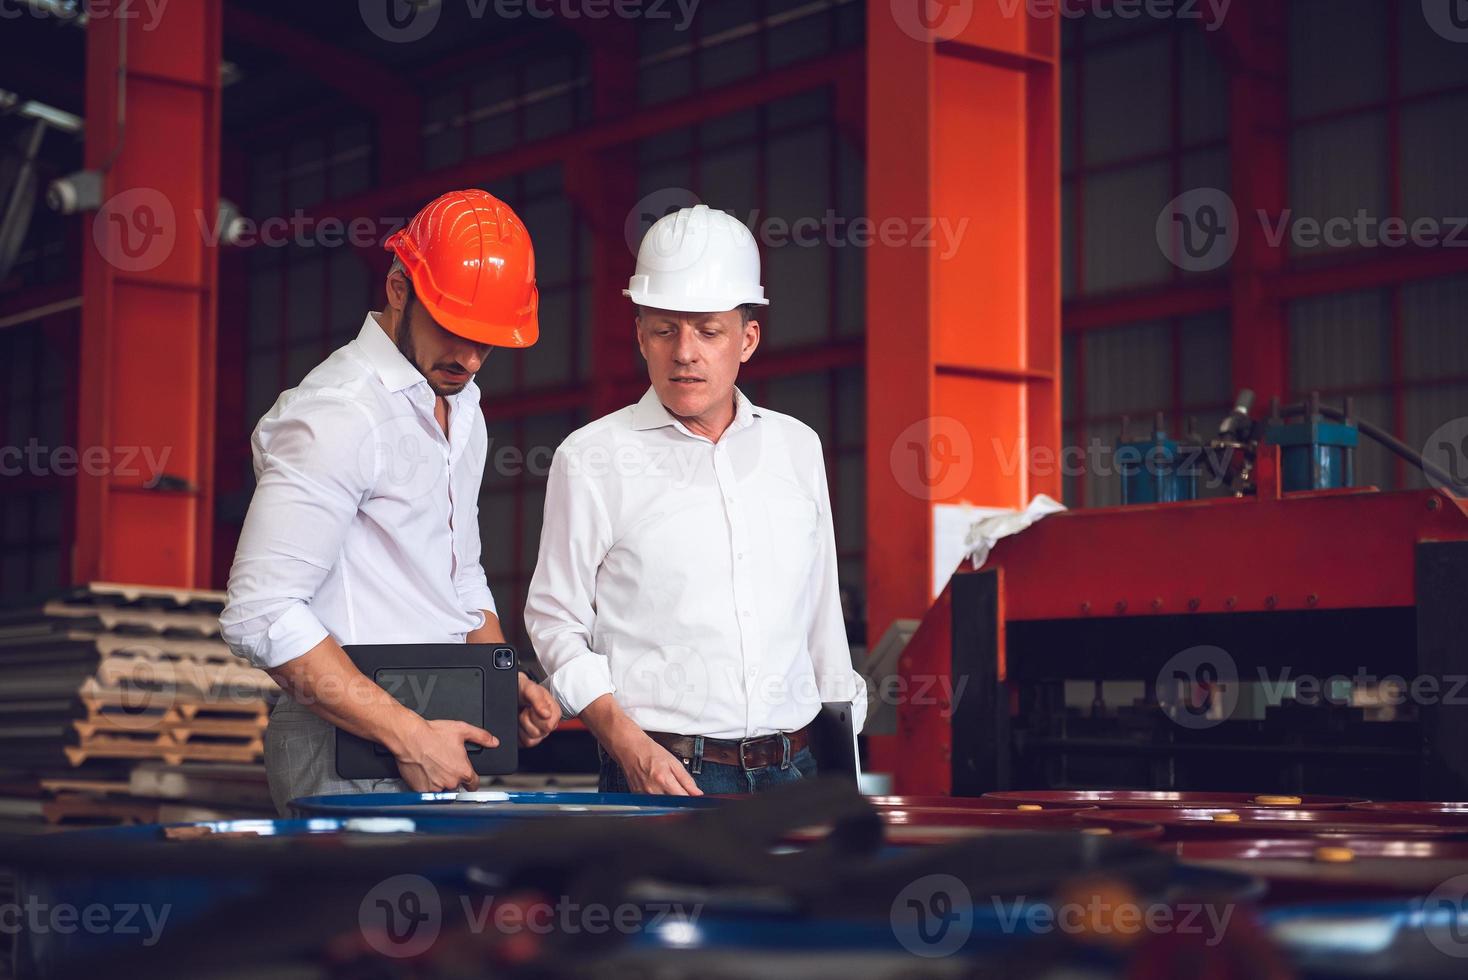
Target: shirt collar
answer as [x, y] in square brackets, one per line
[395, 371]
[649, 412]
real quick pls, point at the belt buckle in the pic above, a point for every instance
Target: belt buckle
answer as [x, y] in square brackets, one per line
[742, 763]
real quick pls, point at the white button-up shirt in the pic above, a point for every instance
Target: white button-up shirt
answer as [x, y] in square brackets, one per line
[364, 523]
[694, 581]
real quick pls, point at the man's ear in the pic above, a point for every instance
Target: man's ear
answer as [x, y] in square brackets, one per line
[751, 340]
[397, 291]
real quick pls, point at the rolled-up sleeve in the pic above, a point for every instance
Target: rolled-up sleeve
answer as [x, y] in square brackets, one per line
[836, 678]
[560, 608]
[312, 472]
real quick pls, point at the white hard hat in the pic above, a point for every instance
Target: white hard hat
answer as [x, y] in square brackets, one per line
[697, 260]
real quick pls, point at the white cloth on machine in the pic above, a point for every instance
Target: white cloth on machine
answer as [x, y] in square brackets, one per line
[989, 531]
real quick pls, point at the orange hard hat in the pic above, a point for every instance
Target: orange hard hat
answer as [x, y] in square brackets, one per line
[473, 268]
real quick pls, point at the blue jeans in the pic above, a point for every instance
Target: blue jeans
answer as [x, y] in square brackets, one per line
[715, 777]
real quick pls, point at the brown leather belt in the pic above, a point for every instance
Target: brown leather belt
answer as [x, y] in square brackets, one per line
[747, 754]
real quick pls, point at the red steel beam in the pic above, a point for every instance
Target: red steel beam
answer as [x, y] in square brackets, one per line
[390, 200]
[147, 366]
[962, 348]
[1259, 162]
[390, 97]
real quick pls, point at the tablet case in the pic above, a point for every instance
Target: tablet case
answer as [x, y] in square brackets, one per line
[473, 682]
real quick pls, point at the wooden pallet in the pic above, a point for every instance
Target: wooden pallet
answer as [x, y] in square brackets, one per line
[81, 808]
[176, 729]
[99, 701]
[163, 748]
[149, 596]
[193, 680]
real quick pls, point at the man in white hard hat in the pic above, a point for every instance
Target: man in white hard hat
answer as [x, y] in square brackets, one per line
[686, 602]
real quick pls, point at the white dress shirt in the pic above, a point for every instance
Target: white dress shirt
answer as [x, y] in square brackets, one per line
[365, 521]
[694, 581]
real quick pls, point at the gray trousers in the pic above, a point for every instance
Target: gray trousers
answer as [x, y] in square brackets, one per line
[300, 759]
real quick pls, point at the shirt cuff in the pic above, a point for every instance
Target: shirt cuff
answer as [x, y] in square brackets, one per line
[290, 636]
[581, 681]
[477, 600]
[859, 705]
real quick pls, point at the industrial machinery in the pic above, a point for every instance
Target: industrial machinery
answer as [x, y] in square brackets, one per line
[1301, 635]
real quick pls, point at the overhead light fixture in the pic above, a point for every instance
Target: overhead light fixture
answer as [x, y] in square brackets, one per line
[11, 102]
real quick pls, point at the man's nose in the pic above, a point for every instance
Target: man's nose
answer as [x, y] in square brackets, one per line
[685, 351]
[472, 359]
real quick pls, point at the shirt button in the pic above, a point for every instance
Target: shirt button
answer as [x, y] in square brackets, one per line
[751, 672]
[744, 613]
[740, 556]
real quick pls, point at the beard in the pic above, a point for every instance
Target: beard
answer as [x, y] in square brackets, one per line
[407, 348]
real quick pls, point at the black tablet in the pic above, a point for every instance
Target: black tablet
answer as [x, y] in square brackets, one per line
[833, 741]
[473, 682]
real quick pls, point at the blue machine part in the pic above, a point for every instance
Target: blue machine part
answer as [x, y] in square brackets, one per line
[108, 913]
[497, 803]
[1315, 453]
[1411, 937]
[1158, 471]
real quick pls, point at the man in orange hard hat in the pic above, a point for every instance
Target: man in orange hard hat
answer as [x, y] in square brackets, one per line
[364, 524]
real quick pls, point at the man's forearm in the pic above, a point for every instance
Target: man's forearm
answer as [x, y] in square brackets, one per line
[490, 632]
[610, 725]
[325, 680]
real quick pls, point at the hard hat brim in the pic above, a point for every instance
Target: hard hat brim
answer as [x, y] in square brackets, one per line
[689, 304]
[522, 333]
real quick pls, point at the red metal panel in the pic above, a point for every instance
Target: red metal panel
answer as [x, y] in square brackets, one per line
[147, 370]
[1331, 550]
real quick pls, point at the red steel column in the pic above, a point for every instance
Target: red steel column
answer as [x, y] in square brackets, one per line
[146, 393]
[1259, 157]
[963, 335]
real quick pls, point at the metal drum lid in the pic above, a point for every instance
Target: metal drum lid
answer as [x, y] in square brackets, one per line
[1184, 823]
[981, 803]
[1336, 851]
[1414, 807]
[928, 825]
[1152, 800]
[497, 803]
